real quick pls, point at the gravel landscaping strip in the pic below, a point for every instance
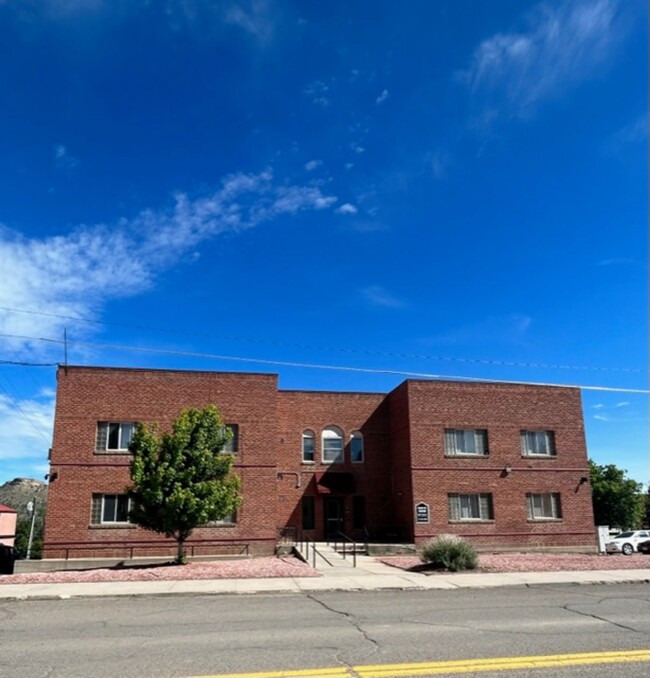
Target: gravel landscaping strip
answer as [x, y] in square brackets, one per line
[535, 562]
[268, 567]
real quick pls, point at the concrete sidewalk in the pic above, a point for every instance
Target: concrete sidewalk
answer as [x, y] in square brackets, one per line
[368, 575]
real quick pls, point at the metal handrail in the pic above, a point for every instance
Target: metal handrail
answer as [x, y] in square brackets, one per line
[147, 549]
[344, 541]
[304, 543]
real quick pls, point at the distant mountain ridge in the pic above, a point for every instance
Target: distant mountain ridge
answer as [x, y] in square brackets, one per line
[17, 493]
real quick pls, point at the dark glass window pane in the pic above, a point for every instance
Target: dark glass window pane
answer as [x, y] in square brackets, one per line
[109, 508]
[122, 513]
[307, 513]
[113, 436]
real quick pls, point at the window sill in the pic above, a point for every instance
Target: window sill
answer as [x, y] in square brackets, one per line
[466, 455]
[471, 520]
[544, 520]
[108, 452]
[227, 525]
[112, 526]
[539, 456]
[307, 462]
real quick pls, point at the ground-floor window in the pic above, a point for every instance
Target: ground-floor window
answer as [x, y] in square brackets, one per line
[109, 508]
[470, 506]
[543, 506]
[308, 513]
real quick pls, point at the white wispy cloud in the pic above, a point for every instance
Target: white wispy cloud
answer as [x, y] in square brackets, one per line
[312, 165]
[511, 74]
[439, 162]
[623, 403]
[254, 17]
[63, 159]
[318, 92]
[25, 427]
[376, 295]
[76, 273]
[634, 134]
[617, 261]
[508, 329]
[347, 208]
[382, 97]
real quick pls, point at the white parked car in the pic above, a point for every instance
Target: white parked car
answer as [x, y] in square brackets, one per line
[627, 542]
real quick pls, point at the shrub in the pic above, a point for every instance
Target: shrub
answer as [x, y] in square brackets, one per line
[449, 552]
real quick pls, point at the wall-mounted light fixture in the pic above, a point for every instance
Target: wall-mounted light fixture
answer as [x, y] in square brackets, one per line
[507, 470]
[584, 480]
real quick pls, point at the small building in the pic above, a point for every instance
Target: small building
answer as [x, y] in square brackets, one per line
[501, 464]
[8, 517]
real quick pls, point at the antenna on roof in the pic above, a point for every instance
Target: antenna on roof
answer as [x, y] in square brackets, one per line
[65, 350]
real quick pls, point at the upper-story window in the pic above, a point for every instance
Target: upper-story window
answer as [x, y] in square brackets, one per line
[356, 447]
[538, 443]
[332, 440]
[466, 441]
[232, 445]
[308, 445]
[114, 435]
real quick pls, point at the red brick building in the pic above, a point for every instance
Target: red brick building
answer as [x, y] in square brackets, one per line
[504, 465]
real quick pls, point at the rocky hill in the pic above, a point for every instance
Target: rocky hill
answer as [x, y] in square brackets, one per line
[19, 491]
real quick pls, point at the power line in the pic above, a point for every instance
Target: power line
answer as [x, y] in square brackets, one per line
[27, 364]
[330, 349]
[14, 403]
[320, 366]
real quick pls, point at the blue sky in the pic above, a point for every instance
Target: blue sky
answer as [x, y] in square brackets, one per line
[444, 188]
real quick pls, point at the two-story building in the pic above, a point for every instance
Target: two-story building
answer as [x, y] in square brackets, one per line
[503, 465]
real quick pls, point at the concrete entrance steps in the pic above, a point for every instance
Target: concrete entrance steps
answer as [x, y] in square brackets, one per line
[337, 566]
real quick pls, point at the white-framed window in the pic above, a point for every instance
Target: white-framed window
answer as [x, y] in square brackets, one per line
[107, 509]
[476, 506]
[230, 519]
[543, 506]
[114, 436]
[356, 447]
[537, 443]
[460, 441]
[308, 446]
[332, 445]
[232, 446]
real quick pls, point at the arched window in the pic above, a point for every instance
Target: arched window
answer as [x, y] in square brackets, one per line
[332, 445]
[356, 447]
[308, 445]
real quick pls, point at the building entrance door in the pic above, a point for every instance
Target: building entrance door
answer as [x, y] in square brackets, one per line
[333, 515]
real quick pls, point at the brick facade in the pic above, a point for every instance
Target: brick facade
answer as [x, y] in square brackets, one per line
[405, 461]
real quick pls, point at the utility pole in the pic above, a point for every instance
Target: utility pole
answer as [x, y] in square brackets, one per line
[31, 507]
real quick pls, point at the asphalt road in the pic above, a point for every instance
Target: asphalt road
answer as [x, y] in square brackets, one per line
[207, 635]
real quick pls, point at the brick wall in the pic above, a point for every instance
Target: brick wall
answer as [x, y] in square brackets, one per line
[88, 395]
[504, 410]
[314, 411]
[404, 458]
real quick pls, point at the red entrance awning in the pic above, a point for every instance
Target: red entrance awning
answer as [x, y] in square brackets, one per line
[334, 482]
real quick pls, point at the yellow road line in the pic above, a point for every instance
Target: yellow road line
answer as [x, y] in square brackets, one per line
[451, 666]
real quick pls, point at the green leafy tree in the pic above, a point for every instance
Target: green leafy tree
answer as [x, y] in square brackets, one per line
[182, 480]
[617, 499]
[23, 527]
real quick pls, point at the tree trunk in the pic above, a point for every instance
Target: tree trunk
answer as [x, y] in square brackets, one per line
[180, 555]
